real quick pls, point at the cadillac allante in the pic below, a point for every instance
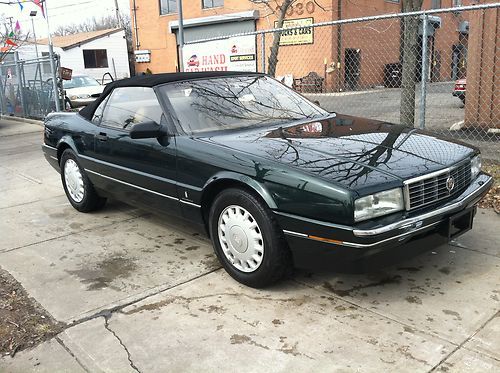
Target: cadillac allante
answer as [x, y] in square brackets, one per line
[276, 180]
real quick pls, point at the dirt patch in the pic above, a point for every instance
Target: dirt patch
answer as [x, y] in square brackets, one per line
[492, 199]
[23, 322]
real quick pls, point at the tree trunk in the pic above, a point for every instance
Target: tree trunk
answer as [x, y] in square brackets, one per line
[410, 47]
[409, 52]
[273, 55]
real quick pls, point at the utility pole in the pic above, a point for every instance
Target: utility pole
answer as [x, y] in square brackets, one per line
[32, 16]
[52, 62]
[11, 23]
[118, 18]
[181, 36]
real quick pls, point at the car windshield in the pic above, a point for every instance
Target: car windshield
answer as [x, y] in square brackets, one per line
[80, 81]
[236, 102]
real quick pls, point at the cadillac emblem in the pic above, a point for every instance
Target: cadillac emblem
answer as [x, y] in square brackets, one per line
[450, 183]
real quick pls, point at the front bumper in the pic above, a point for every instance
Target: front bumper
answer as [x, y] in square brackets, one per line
[314, 241]
[78, 102]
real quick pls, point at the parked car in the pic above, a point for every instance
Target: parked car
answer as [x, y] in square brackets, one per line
[460, 89]
[81, 90]
[276, 180]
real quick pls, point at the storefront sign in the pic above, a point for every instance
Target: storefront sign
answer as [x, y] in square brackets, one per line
[234, 54]
[142, 56]
[298, 36]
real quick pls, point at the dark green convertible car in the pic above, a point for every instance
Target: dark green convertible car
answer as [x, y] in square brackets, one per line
[276, 180]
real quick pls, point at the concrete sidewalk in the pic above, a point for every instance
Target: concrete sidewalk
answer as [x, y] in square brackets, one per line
[145, 293]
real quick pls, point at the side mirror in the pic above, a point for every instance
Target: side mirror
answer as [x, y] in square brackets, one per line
[146, 130]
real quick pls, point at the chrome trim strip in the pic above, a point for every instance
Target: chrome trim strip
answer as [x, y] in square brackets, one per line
[361, 245]
[189, 203]
[48, 146]
[54, 158]
[428, 176]
[486, 181]
[159, 178]
[132, 185]
[297, 234]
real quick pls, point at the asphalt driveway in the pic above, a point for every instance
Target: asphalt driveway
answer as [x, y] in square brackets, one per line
[145, 293]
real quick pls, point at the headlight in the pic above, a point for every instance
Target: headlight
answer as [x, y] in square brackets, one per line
[378, 204]
[475, 166]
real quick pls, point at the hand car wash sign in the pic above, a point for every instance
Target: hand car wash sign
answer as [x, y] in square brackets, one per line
[233, 54]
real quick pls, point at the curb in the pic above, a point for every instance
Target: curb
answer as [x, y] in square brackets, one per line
[23, 120]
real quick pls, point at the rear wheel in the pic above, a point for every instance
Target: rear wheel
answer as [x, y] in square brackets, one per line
[247, 239]
[77, 186]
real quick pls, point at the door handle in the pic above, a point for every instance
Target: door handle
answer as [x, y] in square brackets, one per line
[101, 136]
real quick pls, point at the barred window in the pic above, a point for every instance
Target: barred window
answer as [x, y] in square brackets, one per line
[436, 4]
[212, 3]
[168, 6]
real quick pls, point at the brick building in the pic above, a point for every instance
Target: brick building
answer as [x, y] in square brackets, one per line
[352, 56]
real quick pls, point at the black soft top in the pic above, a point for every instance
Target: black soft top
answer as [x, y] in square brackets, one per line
[152, 80]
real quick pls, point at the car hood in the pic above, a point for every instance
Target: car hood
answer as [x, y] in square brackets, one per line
[89, 90]
[354, 152]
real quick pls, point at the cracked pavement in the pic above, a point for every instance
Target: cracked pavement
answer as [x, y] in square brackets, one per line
[145, 293]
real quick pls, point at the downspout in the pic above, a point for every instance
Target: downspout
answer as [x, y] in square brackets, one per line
[137, 43]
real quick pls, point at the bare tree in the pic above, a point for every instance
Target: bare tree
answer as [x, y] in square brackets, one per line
[10, 39]
[279, 10]
[409, 54]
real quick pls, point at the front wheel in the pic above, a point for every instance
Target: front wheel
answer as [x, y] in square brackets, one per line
[247, 239]
[77, 186]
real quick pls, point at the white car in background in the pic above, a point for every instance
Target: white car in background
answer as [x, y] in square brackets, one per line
[81, 90]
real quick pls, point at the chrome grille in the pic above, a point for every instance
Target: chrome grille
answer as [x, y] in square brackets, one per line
[427, 189]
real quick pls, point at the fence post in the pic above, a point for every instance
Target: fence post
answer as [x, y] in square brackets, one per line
[263, 51]
[424, 73]
[19, 82]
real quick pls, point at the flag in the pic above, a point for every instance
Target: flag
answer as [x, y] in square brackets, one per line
[40, 4]
[20, 5]
[10, 42]
[18, 26]
[11, 34]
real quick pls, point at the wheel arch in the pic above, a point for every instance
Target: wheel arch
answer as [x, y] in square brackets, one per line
[63, 144]
[226, 180]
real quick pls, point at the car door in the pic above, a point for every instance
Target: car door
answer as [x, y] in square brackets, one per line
[138, 171]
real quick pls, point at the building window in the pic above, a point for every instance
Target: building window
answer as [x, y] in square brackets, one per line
[46, 64]
[168, 6]
[212, 3]
[436, 4]
[457, 3]
[95, 58]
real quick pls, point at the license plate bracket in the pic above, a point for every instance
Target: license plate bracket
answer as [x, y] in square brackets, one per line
[460, 223]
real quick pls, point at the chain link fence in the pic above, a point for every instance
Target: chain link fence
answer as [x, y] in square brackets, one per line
[26, 87]
[438, 70]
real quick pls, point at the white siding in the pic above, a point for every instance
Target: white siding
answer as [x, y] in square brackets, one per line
[116, 47]
[72, 58]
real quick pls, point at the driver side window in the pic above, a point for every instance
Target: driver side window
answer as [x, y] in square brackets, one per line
[127, 106]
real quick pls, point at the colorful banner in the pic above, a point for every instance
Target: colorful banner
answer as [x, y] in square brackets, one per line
[233, 54]
[298, 36]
